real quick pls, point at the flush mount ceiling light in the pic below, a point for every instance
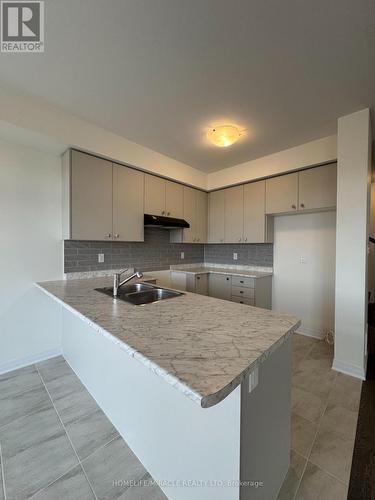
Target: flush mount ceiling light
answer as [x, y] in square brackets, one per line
[224, 135]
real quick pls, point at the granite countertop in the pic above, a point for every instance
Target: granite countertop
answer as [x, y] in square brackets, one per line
[202, 346]
[250, 273]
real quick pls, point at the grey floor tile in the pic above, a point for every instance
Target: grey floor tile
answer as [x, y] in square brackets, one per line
[69, 395]
[317, 485]
[20, 404]
[90, 433]
[36, 451]
[303, 433]
[339, 420]
[315, 375]
[346, 392]
[145, 490]
[111, 467]
[18, 381]
[306, 404]
[53, 368]
[293, 477]
[71, 486]
[333, 452]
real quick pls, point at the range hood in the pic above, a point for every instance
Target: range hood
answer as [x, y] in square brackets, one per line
[166, 222]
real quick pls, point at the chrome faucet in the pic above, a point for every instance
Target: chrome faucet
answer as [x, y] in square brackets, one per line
[116, 280]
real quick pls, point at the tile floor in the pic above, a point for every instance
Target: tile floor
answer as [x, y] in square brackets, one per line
[56, 443]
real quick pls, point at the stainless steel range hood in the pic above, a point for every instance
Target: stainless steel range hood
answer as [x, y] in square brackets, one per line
[165, 222]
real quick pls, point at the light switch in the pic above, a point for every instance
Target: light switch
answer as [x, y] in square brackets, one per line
[182, 255]
[234, 256]
[101, 257]
[253, 379]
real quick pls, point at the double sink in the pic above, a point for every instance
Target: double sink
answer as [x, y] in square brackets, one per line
[141, 293]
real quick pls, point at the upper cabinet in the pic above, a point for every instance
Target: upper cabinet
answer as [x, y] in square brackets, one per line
[282, 194]
[163, 197]
[216, 216]
[234, 209]
[195, 213]
[128, 193]
[254, 219]
[154, 195]
[174, 199]
[317, 187]
[201, 215]
[311, 189]
[91, 197]
[101, 201]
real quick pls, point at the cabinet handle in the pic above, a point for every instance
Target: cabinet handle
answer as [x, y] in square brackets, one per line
[198, 277]
[117, 235]
[168, 213]
[245, 240]
[198, 239]
[108, 235]
[294, 207]
[302, 205]
[241, 291]
[227, 279]
[162, 212]
[221, 240]
[239, 240]
[241, 281]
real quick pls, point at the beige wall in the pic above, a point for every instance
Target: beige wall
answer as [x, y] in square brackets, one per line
[30, 250]
[312, 153]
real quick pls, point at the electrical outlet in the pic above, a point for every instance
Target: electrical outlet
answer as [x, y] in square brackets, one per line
[253, 379]
[234, 256]
[101, 257]
[303, 260]
[182, 255]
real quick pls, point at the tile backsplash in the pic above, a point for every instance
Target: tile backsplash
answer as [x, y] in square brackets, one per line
[247, 254]
[157, 253]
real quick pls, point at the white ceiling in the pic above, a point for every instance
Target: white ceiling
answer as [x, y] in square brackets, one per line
[160, 72]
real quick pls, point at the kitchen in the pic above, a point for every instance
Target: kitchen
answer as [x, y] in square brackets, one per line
[179, 319]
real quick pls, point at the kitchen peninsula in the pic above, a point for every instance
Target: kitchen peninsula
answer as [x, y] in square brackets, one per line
[198, 387]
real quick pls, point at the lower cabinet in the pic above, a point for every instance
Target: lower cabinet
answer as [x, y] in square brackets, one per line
[220, 286]
[197, 283]
[252, 291]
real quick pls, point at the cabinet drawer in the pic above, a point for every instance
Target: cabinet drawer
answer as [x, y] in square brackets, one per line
[240, 291]
[243, 281]
[240, 300]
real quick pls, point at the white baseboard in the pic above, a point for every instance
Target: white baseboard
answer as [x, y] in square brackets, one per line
[308, 332]
[349, 369]
[15, 364]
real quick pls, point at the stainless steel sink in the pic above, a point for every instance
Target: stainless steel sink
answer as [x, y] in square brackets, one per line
[149, 296]
[141, 293]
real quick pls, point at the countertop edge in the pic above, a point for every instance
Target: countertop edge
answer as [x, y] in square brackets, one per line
[246, 274]
[213, 399]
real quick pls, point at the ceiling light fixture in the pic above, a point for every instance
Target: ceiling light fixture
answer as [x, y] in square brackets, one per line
[224, 135]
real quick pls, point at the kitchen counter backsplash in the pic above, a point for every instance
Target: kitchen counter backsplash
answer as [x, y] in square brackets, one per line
[157, 253]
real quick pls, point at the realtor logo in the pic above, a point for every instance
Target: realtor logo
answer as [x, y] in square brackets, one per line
[22, 26]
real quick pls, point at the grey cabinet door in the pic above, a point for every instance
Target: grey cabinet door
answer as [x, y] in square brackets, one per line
[317, 187]
[201, 284]
[190, 235]
[91, 197]
[216, 216]
[201, 216]
[282, 194]
[174, 199]
[154, 195]
[233, 222]
[254, 226]
[128, 191]
[220, 286]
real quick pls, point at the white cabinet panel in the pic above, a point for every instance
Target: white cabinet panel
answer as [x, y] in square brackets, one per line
[317, 187]
[154, 195]
[216, 216]
[233, 222]
[254, 212]
[282, 194]
[128, 191]
[174, 199]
